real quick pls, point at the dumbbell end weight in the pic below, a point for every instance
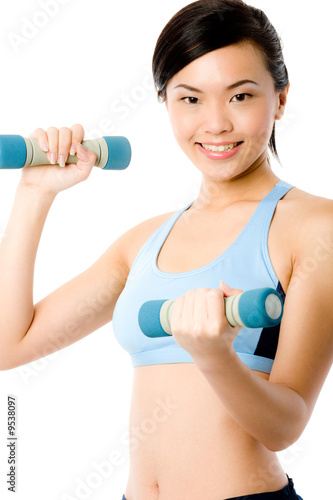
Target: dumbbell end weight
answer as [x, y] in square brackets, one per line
[120, 153]
[13, 151]
[150, 320]
[113, 153]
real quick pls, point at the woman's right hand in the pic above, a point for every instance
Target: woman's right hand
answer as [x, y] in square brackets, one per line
[59, 143]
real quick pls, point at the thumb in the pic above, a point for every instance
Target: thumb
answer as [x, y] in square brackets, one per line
[85, 156]
[228, 291]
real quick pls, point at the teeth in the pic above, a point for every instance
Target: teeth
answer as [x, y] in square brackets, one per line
[227, 147]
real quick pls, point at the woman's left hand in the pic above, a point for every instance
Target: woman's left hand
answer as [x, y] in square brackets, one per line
[199, 324]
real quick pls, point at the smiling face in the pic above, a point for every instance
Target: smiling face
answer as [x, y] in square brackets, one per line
[222, 108]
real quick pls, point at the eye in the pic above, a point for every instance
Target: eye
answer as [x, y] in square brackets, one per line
[240, 97]
[190, 100]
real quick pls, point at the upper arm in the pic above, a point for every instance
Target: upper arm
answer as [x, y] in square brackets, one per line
[305, 351]
[75, 309]
[85, 303]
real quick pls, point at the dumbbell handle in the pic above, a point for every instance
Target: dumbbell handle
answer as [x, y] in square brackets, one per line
[258, 308]
[113, 153]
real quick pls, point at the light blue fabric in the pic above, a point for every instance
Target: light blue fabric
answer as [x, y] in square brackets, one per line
[244, 265]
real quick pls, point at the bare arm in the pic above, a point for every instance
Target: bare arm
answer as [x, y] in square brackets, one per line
[28, 332]
[68, 314]
[273, 411]
[17, 260]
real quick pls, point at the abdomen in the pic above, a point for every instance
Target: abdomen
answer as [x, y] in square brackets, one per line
[183, 444]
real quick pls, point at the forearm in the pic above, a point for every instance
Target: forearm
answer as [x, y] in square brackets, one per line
[273, 414]
[18, 251]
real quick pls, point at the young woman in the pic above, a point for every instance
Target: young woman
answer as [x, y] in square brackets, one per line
[230, 398]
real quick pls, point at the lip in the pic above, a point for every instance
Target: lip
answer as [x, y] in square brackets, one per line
[218, 143]
[218, 155]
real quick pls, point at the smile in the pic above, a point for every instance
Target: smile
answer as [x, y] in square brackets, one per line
[219, 152]
[226, 147]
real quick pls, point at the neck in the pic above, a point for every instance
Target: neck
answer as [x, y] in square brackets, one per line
[255, 183]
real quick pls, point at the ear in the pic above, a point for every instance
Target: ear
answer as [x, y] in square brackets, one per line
[282, 101]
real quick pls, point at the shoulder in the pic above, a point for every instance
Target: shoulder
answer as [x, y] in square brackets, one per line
[310, 218]
[306, 204]
[302, 218]
[306, 228]
[132, 240]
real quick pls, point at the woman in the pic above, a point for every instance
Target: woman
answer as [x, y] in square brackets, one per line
[226, 398]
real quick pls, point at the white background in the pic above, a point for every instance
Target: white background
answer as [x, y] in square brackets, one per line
[89, 62]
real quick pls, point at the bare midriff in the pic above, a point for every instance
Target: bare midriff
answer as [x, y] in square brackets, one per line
[184, 445]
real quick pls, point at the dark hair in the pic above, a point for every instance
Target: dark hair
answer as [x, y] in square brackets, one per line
[207, 25]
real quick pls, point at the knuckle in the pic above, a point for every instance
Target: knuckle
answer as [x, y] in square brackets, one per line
[77, 133]
[37, 133]
[214, 293]
[64, 130]
[77, 127]
[198, 329]
[215, 328]
[52, 130]
[181, 326]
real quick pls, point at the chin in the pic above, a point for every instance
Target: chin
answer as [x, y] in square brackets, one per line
[218, 171]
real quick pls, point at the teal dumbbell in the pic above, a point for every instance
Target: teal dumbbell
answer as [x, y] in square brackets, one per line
[113, 153]
[258, 308]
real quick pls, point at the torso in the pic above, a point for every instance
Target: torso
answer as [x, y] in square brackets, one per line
[188, 447]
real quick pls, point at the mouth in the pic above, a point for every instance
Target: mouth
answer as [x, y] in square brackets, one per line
[220, 149]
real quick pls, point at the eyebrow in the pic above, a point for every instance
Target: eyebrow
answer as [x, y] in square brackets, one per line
[232, 86]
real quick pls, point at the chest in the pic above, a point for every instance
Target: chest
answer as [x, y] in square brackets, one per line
[197, 239]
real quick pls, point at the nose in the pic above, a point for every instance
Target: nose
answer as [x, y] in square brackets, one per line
[217, 119]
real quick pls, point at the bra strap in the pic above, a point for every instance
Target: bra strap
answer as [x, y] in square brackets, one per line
[268, 204]
[268, 209]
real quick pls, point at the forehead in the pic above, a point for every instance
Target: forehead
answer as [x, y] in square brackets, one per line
[225, 66]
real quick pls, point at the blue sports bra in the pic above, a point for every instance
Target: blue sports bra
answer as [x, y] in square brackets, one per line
[245, 264]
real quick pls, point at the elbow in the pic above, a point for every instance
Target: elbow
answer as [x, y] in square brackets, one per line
[4, 361]
[7, 364]
[9, 358]
[289, 427]
[279, 444]
[10, 364]
[286, 436]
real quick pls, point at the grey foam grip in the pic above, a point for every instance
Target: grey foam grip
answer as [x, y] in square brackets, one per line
[35, 156]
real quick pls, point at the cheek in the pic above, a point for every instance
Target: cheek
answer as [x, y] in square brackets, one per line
[183, 127]
[259, 125]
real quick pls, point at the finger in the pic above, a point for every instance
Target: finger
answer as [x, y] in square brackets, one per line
[200, 314]
[177, 311]
[216, 310]
[187, 316]
[77, 137]
[65, 142]
[40, 135]
[53, 140]
[188, 307]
